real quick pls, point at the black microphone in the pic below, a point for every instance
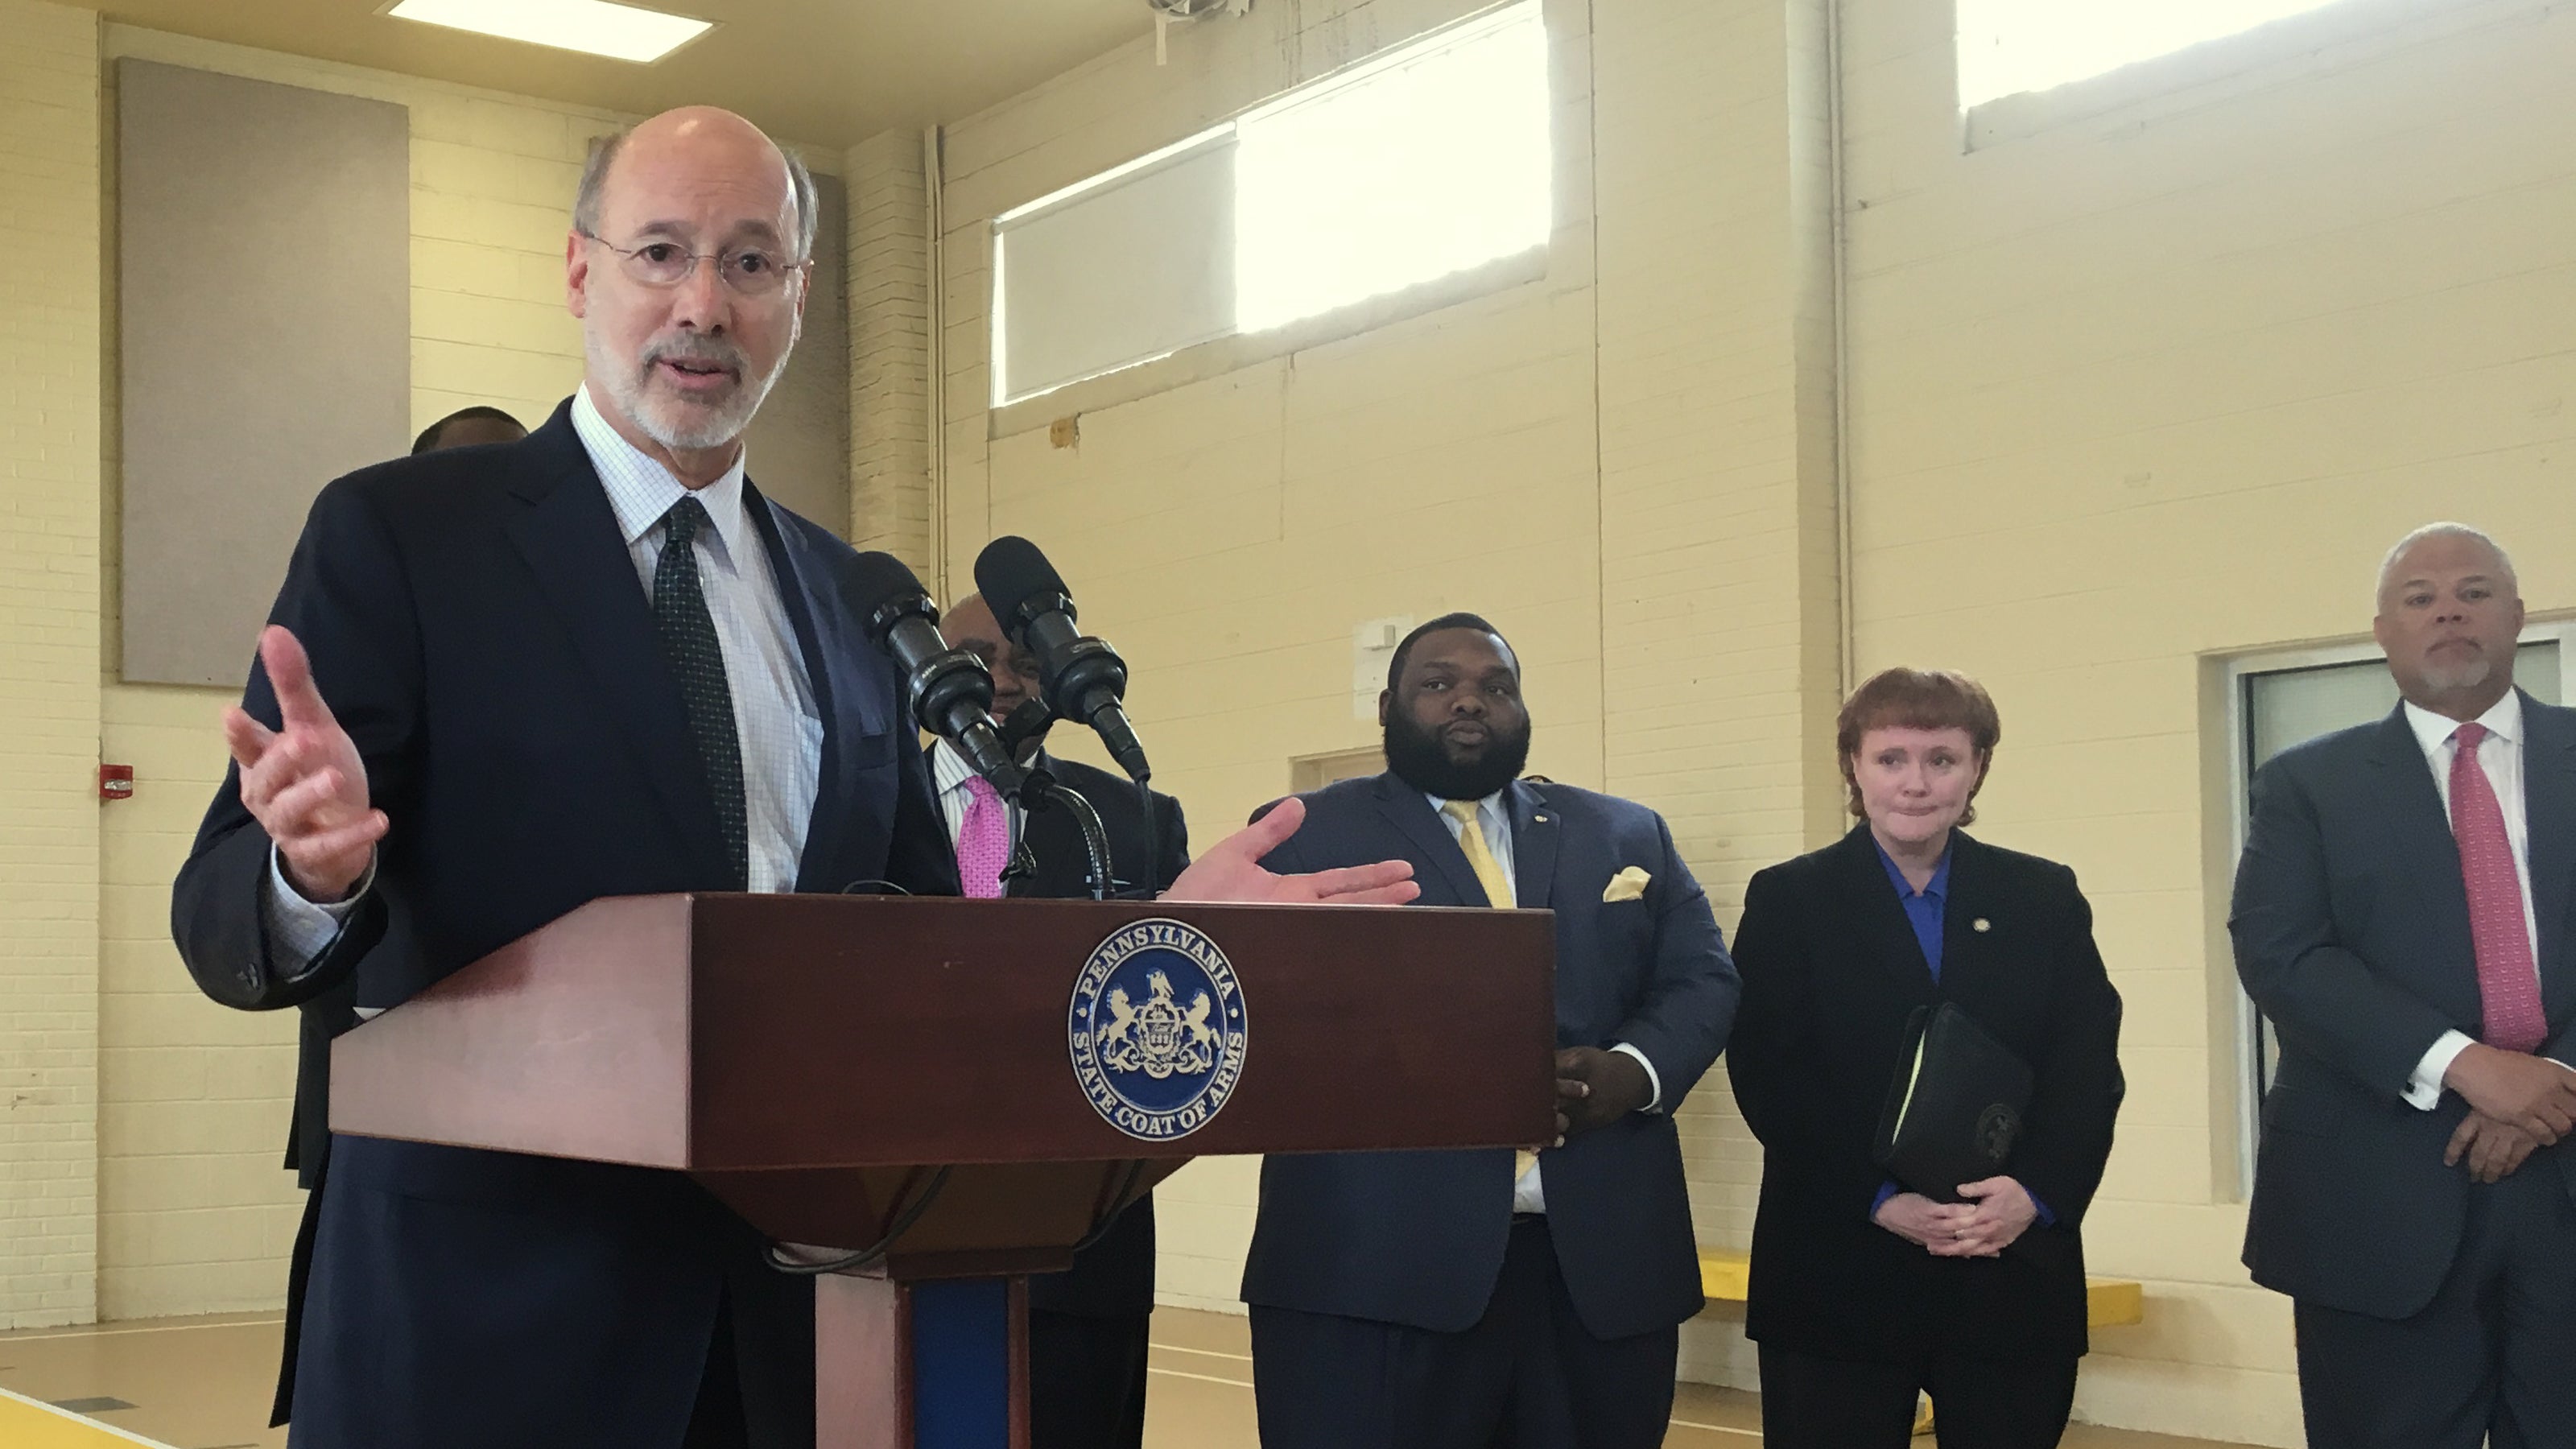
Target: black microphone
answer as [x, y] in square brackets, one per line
[950, 690]
[1082, 677]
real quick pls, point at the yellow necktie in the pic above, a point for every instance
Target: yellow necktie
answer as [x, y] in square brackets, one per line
[1480, 857]
[1498, 893]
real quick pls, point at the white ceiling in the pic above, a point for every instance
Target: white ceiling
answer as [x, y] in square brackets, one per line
[820, 72]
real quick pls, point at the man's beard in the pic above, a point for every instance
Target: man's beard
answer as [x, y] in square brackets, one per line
[676, 423]
[2467, 674]
[1419, 759]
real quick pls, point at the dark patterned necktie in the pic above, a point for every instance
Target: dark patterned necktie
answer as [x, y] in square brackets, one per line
[697, 660]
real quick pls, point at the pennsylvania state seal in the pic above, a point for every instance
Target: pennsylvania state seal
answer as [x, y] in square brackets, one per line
[1158, 1029]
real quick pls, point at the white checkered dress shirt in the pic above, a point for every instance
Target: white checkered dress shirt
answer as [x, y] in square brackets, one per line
[773, 702]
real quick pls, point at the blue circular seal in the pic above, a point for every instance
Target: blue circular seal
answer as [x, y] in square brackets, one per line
[1158, 1029]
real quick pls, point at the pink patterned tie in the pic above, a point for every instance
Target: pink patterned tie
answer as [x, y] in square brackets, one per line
[984, 840]
[2508, 980]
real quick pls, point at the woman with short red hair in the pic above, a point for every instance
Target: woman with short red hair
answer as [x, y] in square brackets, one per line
[1865, 1290]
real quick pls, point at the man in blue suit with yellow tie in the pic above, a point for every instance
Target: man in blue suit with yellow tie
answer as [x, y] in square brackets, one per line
[1456, 1300]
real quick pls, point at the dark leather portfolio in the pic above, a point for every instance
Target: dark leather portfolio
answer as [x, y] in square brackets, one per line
[1954, 1109]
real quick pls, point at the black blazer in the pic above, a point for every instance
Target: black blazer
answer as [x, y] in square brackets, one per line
[1832, 970]
[1113, 1278]
[476, 624]
[2352, 934]
[1418, 1237]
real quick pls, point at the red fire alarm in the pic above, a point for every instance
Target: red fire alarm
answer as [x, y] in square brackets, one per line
[116, 782]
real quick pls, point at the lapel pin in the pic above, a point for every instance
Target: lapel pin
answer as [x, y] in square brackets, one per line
[1538, 820]
[1981, 924]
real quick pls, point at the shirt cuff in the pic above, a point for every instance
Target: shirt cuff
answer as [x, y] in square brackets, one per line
[301, 931]
[2047, 1214]
[2424, 1091]
[1886, 1190]
[1654, 1082]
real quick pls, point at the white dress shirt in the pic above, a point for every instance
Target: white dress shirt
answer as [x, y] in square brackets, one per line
[949, 773]
[1494, 822]
[775, 718]
[2500, 755]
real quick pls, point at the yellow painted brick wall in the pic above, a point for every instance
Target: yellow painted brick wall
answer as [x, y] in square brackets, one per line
[49, 610]
[889, 291]
[1720, 587]
[1228, 533]
[2132, 392]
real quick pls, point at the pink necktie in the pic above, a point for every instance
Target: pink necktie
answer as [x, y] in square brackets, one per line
[984, 840]
[2508, 980]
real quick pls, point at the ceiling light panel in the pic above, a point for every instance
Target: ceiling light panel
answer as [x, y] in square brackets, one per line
[623, 32]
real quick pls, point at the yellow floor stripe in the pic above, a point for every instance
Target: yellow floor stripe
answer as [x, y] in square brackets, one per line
[1202, 1378]
[10, 1338]
[26, 1423]
[1201, 1352]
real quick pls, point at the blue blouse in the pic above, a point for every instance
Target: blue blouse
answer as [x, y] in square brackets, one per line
[1924, 910]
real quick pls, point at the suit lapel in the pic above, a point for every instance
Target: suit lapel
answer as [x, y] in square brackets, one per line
[572, 542]
[2418, 827]
[1409, 811]
[1885, 933]
[822, 640]
[1536, 829]
[2549, 806]
[1964, 948]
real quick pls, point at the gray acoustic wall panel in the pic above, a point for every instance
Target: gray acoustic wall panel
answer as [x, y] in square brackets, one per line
[264, 339]
[799, 444]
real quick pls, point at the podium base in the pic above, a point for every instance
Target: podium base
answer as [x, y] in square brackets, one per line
[925, 1365]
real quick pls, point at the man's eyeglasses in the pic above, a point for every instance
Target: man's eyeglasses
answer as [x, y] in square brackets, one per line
[752, 271]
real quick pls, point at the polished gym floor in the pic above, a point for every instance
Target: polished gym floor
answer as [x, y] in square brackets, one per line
[203, 1383]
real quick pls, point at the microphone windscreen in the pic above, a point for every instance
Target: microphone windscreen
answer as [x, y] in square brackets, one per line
[1010, 572]
[870, 581]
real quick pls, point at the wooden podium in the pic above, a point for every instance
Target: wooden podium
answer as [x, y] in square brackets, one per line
[937, 1080]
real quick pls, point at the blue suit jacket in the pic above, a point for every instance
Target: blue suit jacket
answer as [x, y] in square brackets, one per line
[1417, 1237]
[2351, 927]
[476, 625]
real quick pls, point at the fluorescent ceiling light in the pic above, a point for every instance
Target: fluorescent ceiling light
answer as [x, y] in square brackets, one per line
[623, 32]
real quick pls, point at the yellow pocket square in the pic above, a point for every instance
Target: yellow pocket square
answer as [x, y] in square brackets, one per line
[1627, 885]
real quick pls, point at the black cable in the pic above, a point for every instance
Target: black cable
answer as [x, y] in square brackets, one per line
[867, 1257]
[1095, 838]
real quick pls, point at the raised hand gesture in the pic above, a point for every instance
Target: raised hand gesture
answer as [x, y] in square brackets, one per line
[1230, 871]
[304, 783]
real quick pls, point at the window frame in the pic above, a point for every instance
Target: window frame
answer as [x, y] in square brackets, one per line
[1236, 348]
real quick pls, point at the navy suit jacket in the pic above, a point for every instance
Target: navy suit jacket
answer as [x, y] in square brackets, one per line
[2351, 926]
[476, 624]
[1418, 1237]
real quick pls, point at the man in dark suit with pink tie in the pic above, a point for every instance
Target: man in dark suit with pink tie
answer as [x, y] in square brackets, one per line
[2403, 914]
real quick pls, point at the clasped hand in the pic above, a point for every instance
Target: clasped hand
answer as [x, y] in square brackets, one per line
[1998, 1211]
[1594, 1087]
[2517, 1104]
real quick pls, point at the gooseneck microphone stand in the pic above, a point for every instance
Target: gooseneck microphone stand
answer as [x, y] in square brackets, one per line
[1039, 791]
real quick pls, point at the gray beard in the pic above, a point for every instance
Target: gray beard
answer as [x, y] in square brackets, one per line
[631, 388]
[2444, 679]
